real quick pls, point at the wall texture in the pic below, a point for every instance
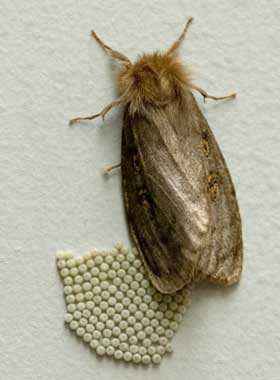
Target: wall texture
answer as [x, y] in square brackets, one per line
[53, 194]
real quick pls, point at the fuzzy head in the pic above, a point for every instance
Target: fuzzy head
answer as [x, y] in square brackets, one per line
[154, 79]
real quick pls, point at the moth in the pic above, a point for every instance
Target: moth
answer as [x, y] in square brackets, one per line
[179, 198]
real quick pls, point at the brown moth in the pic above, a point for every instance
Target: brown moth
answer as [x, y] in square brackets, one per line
[179, 198]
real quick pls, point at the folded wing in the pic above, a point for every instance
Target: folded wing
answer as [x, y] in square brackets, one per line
[179, 198]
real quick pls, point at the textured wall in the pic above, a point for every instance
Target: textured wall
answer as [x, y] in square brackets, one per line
[54, 196]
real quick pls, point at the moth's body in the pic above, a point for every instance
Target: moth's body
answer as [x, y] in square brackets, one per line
[179, 198]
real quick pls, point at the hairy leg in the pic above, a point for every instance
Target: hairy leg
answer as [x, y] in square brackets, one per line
[205, 95]
[107, 169]
[102, 113]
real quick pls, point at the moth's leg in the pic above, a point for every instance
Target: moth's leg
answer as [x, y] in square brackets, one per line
[205, 95]
[114, 53]
[102, 113]
[107, 169]
[180, 39]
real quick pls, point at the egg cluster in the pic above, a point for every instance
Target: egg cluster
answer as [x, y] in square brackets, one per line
[112, 305]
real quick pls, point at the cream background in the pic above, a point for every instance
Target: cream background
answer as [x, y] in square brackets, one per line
[53, 194]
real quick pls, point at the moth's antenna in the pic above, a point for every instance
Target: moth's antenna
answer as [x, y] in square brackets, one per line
[113, 53]
[180, 39]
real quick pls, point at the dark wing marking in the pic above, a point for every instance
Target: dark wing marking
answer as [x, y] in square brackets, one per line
[172, 197]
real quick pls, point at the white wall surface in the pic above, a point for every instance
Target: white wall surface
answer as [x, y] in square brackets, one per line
[53, 194]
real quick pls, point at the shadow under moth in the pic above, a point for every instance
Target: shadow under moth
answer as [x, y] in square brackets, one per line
[179, 198]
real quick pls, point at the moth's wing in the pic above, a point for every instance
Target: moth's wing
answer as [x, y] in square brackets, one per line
[221, 262]
[178, 228]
